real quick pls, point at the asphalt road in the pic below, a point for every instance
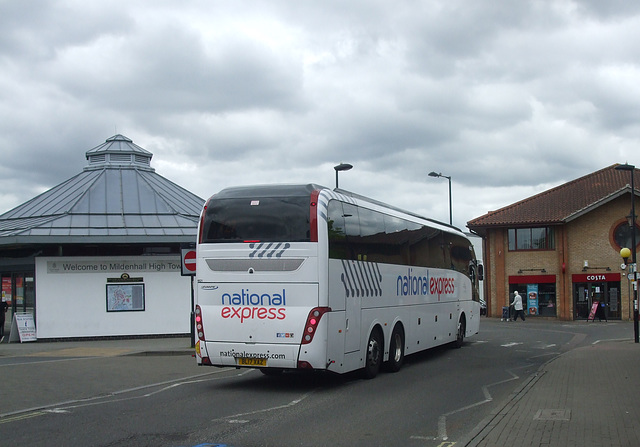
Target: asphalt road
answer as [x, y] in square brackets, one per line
[436, 398]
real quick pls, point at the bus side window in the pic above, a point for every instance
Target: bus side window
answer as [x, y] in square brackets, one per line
[461, 254]
[427, 247]
[352, 227]
[338, 245]
[397, 235]
[375, 244]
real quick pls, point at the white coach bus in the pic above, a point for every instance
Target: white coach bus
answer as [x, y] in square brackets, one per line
[304, 277]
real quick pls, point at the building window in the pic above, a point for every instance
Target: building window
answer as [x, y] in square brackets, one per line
[622, 235]
[540, 238]
[547, 300]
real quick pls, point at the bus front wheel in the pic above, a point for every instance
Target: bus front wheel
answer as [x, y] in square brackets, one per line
[462, 327]
[374, 355]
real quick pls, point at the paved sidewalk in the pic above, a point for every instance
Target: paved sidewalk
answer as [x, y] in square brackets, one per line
[99, 348]
[589, 396]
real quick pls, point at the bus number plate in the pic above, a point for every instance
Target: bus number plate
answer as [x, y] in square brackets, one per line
[248, 361]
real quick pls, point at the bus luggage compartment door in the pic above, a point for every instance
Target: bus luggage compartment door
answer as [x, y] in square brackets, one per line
[271, 313]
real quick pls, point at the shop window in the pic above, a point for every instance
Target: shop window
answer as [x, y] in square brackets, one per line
[547, 306]
[538, 238]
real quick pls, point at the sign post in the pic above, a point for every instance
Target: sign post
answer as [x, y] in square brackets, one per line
[188, 262]
[189, 269]
[594, 309]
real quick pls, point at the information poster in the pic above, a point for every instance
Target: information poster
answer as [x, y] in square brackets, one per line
[532, 298]
[23, 328]
[19, 291]
[6, 289]
[125, 297]
[594, 309]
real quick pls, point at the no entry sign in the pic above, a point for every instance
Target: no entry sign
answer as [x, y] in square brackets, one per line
[188, 262]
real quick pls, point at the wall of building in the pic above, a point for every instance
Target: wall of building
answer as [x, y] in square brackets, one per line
[72, 301]
[497, 247]
[591, 239]
[587, 238]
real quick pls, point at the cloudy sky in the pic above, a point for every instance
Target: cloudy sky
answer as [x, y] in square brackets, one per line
[509, 98]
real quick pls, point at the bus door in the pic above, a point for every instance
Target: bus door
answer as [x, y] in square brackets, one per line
[353, 306]
[344, 233]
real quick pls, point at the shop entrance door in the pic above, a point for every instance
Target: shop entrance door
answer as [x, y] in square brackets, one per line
[585, 294]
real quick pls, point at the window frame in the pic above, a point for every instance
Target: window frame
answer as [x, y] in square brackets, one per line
[533, 243]
[615, 234]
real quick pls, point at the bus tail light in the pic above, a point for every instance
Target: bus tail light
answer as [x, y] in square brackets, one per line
[201, 225]
[312, 323]
[313, 216]
[201, 351]
[199, 326]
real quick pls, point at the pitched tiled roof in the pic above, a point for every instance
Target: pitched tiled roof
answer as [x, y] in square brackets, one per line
[562, 203]
[117, 198]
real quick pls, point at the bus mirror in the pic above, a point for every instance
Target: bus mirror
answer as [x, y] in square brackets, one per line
[480, 272]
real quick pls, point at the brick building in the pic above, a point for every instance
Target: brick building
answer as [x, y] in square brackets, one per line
[560, 249]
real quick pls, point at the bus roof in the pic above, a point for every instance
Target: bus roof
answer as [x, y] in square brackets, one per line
[270, 190]
[395, 208]
[283, 190]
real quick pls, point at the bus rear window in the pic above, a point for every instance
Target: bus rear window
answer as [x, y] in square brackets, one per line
[257, 219]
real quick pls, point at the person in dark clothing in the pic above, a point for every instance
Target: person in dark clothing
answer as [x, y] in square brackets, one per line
[600, 313]
[3, 311]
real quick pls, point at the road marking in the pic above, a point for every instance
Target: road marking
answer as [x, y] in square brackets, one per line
[442, 420]
[61, 407]
[82, 352]
[610, 339]
[509, 345]
[21, 417]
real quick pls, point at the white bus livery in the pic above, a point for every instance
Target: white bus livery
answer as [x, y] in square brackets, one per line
[305, 277]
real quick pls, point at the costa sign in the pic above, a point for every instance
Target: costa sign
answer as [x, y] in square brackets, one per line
[596, 277]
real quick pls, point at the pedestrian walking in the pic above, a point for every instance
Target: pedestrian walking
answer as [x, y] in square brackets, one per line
[600, 313]
[3, 310]
[517, 306]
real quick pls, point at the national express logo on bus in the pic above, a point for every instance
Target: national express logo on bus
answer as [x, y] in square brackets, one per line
[416, 285]
[245, 305]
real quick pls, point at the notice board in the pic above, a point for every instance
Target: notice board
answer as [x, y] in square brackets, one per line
[23, 327]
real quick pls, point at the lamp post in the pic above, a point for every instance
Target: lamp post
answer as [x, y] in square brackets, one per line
[631, 169]
[341, 167]
[439, 174]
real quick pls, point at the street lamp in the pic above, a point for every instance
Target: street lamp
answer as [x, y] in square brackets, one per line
[439, 174]
[631, 169]
[341, 167]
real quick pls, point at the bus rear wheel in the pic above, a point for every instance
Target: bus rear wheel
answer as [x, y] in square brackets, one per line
[396, 350]
[374, 355]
